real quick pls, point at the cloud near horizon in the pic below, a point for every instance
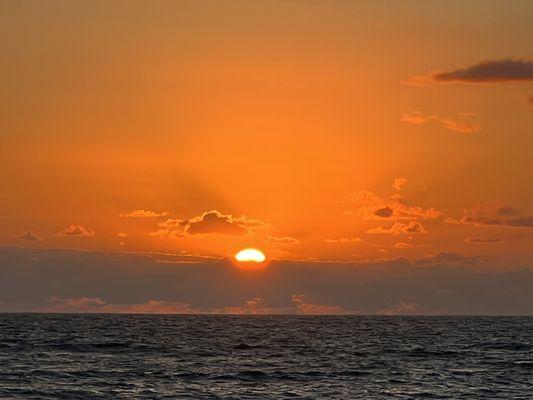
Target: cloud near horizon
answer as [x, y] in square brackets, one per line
[76, 230]
[440, 283]
[29, 236]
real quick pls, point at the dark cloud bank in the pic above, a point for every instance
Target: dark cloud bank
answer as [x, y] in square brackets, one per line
[446, 283]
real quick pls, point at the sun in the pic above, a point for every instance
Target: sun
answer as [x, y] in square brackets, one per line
[250, 256]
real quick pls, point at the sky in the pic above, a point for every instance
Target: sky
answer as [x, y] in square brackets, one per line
[378, 153]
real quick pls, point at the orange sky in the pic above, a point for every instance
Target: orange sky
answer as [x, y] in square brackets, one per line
[313, 130]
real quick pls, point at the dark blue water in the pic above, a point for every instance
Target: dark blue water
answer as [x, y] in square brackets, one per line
[267, 357]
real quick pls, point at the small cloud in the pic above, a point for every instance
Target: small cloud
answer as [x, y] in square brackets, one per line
[463, 123]
[492, 71]
[76, 230]
[283, 240]
[413, 227]
[399, 183]
[344, 240]
[122, 234]
[404, 245]
[144, 214]
[402, 308]
[29, 236]
[461, 126]
[481, 240]
[416, 117]
[385, 212]
[171, 223]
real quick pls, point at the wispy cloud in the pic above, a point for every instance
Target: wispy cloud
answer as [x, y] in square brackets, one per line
[344, 240]
[483, 240]
[144, 214]
[463, 123]
[282, 240]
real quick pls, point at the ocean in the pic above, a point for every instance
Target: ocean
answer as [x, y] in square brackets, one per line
[55, 356]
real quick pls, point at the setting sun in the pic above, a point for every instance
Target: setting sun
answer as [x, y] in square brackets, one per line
[250, 255]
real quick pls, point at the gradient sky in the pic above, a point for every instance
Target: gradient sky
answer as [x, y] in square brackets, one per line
[332, 135]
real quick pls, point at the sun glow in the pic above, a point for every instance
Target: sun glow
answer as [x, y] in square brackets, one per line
[250, 255]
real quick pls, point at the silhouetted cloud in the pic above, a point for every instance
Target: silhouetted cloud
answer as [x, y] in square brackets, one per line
[216, 222]
[492, 71]
[385, 212]
[507, 70]
[448, 257]
[76, 230]
[144, 214]
[482, 240]
[503, 216]
[29, 236]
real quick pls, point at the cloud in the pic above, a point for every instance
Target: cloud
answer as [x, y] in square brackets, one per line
[399, 183]
[463, 123]
[505, 216]
[481, 240]
[344, 240]
[492, 71]
[283, 240]
[371, 206]
[144, 214]
[97, 305]
[76, 230]
[404, 245]
[306, 308]
[412, 227]
[507, 70]
[168, 233]
[216, 222]
[447, 257]
[402, 308]
[385, 212]
[29, 236]
[416, 118]
[171, 223]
